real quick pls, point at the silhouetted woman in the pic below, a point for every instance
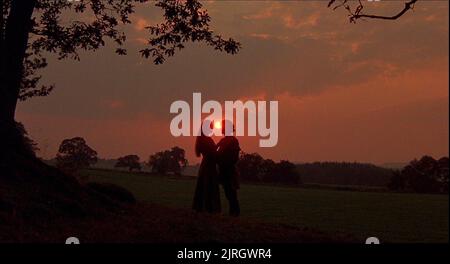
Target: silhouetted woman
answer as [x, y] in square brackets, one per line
[207, 196]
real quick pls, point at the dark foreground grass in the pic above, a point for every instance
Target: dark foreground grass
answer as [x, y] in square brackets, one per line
[151, 223]
[40, 204]
[388, 216]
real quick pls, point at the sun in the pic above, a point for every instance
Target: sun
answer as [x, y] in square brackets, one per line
[217, 124]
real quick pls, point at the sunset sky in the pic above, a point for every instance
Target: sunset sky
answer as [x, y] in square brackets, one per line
[374, 91]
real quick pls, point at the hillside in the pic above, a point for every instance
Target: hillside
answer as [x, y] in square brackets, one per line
[41, 204]
[151, 223]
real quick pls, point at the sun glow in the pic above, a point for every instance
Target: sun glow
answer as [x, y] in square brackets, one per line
[218, 124]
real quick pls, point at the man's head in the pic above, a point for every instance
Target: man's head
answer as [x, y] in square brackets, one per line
[227, 128]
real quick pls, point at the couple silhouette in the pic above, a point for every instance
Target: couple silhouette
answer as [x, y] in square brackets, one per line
[218, 167]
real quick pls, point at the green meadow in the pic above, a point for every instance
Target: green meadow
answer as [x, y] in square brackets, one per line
[392, 217]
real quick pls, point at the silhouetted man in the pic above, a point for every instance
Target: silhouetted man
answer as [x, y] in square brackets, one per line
[227, 157]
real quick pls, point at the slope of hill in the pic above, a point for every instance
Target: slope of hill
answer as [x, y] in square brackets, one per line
[150, 223]
[41, 204]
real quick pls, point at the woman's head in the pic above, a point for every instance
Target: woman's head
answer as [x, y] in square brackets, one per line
[207, 126]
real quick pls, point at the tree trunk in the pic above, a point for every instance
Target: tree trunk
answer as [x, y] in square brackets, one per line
[13, 47]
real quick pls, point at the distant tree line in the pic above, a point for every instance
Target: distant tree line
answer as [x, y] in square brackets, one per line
[163, 162]
[75, 154]
[254, 168]
[426, 175]
[344, 173]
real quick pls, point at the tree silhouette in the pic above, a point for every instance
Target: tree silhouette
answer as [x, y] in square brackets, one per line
[287, 173]
[29, 144]
[74, 154]
[397, 181]
[426, 175]
[31, 28]
[355, 13]
[173, 160]
[254, 168]
[250, 166]
[130, 161]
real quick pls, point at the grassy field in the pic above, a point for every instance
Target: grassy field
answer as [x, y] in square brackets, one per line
[388, 216]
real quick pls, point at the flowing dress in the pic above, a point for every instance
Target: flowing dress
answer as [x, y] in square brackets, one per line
[207, 193]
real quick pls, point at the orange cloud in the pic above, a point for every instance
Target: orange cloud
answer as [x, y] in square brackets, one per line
[265, 13]
[260, 36]
[293, 23]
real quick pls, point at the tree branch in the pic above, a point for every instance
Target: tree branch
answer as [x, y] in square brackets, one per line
[357, 12]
